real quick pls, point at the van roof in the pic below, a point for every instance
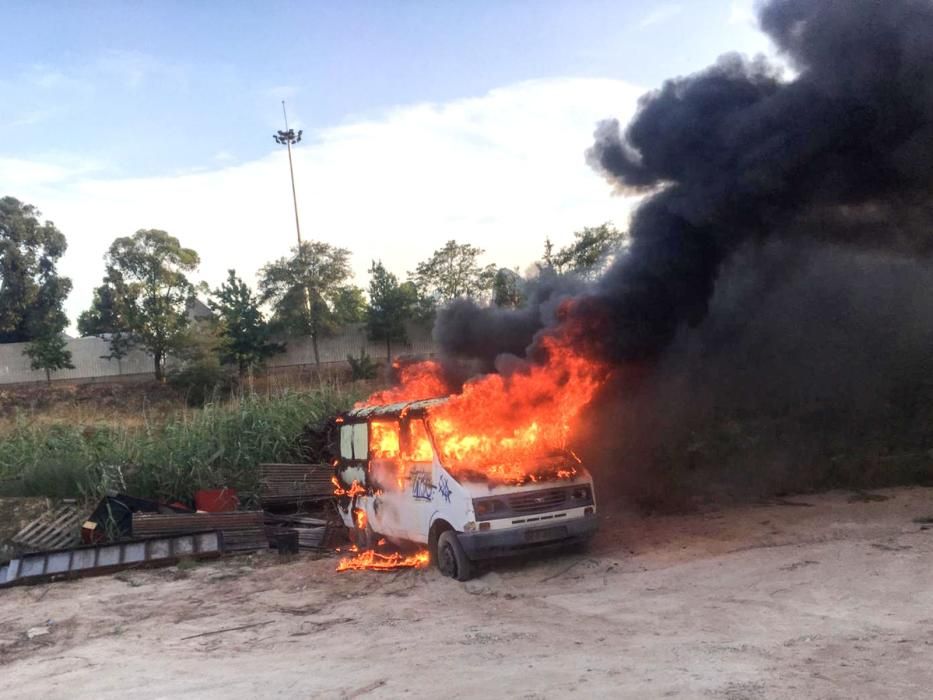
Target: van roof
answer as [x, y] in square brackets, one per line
[393, 410]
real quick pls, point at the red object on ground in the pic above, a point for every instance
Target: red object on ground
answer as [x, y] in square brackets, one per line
[216, 500]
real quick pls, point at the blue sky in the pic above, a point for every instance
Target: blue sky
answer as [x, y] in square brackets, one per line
[159, 87]
[117, 116]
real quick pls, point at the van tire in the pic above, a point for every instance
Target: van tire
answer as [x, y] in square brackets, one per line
[451, 559]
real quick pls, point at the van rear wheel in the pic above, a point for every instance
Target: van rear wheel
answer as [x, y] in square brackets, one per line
[451, 559]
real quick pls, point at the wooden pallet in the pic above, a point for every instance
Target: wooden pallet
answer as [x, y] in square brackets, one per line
[55, 529]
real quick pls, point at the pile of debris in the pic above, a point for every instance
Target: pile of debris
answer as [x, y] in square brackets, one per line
[125, 532]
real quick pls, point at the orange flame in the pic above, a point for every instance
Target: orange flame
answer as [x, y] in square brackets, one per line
[384, 439]
[422, 380]
[371, 559]
[420, 449]
[510, 428]
[355, 488]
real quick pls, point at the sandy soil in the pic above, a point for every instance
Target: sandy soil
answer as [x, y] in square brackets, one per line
[821, 596]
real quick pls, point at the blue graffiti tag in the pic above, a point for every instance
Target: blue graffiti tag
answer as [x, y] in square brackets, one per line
[443, 487]
[421, 486]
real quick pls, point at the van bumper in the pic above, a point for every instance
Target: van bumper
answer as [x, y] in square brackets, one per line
[503, 543]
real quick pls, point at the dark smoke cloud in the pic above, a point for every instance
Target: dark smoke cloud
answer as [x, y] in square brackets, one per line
[812, 369]
[465, 330]
[840, 153]
[771, 320]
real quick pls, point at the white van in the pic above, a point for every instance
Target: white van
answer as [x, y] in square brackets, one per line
[395, 486]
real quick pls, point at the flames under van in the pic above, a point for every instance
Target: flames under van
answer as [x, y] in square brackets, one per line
[461, 516]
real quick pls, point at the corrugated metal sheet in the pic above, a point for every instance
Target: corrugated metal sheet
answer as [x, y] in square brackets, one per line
[293, 484]
[242, 530]
[88, 561]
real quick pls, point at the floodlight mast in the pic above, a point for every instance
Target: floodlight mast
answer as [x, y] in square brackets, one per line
[288, 137]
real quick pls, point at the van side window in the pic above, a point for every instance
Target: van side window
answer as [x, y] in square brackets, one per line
[351, 470]
[418, 445]
[360, 441]
[346, 442]
[384, 440]
[384, 463]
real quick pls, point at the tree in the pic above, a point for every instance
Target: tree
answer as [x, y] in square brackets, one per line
[148, 293]
[31, 290]
[108, 318]
[390, 305]
[453, 272]
[49, 352]
[349, 305]
[507, 288]
[309, 290]
[197, 370]
[588, 255]
[245, 335]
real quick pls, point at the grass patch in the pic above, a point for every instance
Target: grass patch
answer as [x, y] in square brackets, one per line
[217, 446]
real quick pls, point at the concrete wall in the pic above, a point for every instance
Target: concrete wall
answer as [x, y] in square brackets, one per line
[299, 351]
[88, 356]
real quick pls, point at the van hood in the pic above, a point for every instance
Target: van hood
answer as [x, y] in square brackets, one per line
[479, 489]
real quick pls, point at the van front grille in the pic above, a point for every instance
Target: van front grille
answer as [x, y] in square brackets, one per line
[537, 501]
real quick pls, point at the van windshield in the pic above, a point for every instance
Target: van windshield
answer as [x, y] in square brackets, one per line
[507, 461]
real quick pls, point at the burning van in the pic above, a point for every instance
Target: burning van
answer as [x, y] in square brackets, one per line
[397, 479]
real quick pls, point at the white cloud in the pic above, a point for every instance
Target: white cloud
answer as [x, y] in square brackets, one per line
[282, 92]
[501, 171]
[743, 12]
[132, 68]
[29, 118]
[48, 78]
[45, 171]
[660, 14]
[224, 156]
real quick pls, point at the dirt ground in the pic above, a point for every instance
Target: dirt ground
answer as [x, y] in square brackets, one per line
[824, 596]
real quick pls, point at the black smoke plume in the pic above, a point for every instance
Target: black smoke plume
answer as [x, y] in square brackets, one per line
[839, 153]
[772, 314]
[465, 330]
[812, 369]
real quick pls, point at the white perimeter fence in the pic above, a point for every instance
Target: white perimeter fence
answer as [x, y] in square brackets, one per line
[88, 355]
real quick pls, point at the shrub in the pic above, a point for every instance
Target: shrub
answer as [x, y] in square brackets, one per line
[218, 446]
[203, 381]
[362, 367]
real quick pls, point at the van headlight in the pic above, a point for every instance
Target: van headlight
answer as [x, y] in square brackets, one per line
[487, 507]
[582, 494]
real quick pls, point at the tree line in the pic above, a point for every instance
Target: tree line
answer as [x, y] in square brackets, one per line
[147, 298]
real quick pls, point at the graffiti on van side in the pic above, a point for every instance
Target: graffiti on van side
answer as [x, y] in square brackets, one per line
[443, 487]
[421, 486]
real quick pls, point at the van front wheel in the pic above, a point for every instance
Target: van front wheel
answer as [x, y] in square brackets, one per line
[451, 559]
